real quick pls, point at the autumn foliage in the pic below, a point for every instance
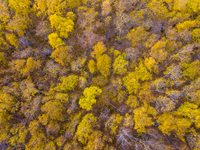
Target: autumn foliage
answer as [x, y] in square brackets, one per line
[100, 74]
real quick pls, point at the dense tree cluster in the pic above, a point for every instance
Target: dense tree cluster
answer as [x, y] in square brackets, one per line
[99, 74]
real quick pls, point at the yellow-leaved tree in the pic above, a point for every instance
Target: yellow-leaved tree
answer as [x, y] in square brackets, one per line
[113, 123]
[4, 14]
[158, 51]
[30, 66]
[137, 36]
[18, 24]
[190, 111]
[142, 117]
[99, 49]
[95, 141]
[28, 89]
[55, 41]
[12, 39]
[169, 123]
[92, 66]
[88, 98]
[62, 55]
[8, 103]
[151, 64]
[85, 128]
[44, 8]
[2, 58]
[104, 64]
[120, 65]
[191, 70]
[131, 83]
[67, 83]
[142, 73]
[52, 106]
[19, 133]
[62, 25]
[20, 7]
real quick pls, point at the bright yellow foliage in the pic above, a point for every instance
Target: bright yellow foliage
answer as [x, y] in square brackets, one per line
[88, 98]
[34, 126]
[28, 89]
[12, 39]
[50, 146]
[7, 103]
[3, 42]
[4, 15]
[62, 55]
[99, 49]
[159, 9]
[20, 7]
[19, 134]
[92, 66]
[131, 83]
[67, 83]
[18, 24]
[55, 41]
[191, 70]
[132, 101]
[53, 110]
[41, 7]
[120, 65]
[37, 142]
[55, 6]
[95, 141]
[186, 25]
[116, 53]
[104, 64]
[170, 123]
[142, 73]
[31, 64]
[73, 3]
[44, 8]
[85, 128]
[151, 64]
[196, 35]
[137, 36]
[63, 97]
[194, 5]
[63, 25]
[142, 118]
[2, 58]
[191, 111]
[113, 123]
[158, 51]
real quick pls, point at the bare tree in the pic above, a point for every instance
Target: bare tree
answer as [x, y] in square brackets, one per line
[124, 139]
[89, 38]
